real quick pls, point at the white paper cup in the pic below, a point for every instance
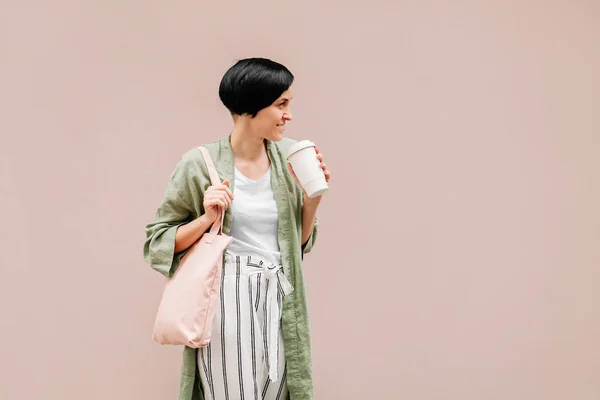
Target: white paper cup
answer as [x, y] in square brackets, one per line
[303, 157]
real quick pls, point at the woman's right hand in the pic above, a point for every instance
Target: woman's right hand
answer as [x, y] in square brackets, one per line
[216, 197]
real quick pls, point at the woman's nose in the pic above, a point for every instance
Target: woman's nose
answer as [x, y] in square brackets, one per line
[287, 116]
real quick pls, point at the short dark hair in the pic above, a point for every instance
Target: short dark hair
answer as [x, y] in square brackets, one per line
[252, 84]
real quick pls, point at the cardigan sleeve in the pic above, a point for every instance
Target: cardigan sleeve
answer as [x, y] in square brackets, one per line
[179, 205]
[284, 145]
[308, 246]
[310, 243]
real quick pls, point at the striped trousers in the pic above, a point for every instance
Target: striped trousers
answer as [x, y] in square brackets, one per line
[245, 359]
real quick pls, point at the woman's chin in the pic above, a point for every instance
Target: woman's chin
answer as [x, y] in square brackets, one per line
[276, 136]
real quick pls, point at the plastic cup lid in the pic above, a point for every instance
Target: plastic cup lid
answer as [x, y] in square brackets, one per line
[301, 145]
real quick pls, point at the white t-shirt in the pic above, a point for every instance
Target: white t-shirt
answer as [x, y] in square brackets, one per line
[255, 221]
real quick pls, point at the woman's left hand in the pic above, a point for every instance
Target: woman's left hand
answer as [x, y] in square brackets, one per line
[323, 166]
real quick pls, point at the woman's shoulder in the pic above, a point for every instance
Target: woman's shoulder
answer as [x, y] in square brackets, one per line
[284, 144]
[191, 165]
[194, 156]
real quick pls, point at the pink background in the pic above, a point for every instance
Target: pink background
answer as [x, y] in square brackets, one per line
[459, 254]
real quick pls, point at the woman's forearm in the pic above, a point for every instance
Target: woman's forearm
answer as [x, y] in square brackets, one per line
[189, 233]
[309, 215]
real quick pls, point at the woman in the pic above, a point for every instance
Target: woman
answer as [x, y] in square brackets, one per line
[260, 346]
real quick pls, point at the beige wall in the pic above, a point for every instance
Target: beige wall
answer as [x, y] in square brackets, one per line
[459, 255]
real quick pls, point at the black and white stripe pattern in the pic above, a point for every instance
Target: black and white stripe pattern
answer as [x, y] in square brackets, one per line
[239, 327]
[223, 347]
[253, 342]
[235, 364]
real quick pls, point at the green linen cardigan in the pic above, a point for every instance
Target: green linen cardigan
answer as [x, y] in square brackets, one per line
[183, 202]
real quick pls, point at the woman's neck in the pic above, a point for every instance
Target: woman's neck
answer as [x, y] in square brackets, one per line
[247, 146]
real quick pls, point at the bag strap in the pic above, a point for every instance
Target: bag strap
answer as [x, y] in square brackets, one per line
[217, 227]
[212, 171]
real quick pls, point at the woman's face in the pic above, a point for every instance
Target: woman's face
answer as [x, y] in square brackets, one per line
[270, 121]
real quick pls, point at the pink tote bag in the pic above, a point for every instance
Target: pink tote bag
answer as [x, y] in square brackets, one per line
[189, 300]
